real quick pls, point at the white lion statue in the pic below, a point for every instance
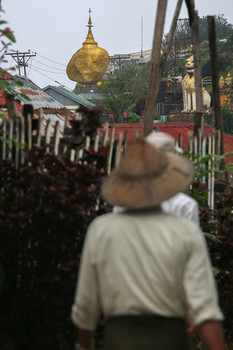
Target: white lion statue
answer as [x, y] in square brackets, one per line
[188, 89]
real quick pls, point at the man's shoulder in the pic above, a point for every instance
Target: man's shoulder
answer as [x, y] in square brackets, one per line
[106, 219]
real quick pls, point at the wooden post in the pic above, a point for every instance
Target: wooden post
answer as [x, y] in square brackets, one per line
[154, 79]
[193, 21]
[157, 63]
[215, 79]
[10, 103]
[170, 37]
[198, 114]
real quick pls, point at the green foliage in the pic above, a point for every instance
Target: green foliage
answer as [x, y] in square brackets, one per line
[227, 119]
[46, 206]
[182, 43]
[122, 91]
[5, 33]
[217, 225]
[133, 118]
[223, 30]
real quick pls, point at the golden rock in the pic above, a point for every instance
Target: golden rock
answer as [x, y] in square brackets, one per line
[88, 65]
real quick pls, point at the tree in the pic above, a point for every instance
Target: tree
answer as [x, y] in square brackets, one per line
[181, 48]
[123, 90]
[5, 33]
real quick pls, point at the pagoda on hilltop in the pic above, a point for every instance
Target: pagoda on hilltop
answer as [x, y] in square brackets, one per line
[88, 65]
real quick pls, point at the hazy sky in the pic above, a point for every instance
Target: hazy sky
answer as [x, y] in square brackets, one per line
[56, 29]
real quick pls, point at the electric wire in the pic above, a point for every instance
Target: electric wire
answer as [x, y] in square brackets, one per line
[46, 70]
[48, 65]
[40, 70]
[42, 74]
[50, 59]
[55, 81]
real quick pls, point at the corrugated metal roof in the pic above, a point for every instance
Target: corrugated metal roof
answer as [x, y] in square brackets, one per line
[79, 99]
[54, 118]
[53, 109]
[4, 74]
[38, 97]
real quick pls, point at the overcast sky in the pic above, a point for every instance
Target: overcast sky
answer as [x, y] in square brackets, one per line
[56, 29]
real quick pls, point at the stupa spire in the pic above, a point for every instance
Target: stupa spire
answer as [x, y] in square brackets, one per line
[88, 65]
[90, 39]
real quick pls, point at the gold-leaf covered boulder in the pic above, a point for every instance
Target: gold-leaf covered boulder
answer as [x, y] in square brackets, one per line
[88, 65]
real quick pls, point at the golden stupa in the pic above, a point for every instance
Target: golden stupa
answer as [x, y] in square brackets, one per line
[88, 65]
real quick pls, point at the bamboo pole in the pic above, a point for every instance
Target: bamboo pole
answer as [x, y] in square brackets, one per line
[157, 63]
[22, 140]
[47, 134]
[170, 37]
[17, 146]
[118, 148]
[154, 79]
[193, 21]
[198, 113]
[56, 138]
[10, 144]
[110, 152]
[29, 131]
[10, 103]
[215, 78]
[4, 136]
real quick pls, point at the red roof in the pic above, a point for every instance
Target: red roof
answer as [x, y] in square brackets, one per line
[19, 107]
[175, 129]
[4, 74]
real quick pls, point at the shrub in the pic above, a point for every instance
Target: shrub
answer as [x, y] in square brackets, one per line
[217, 225]
[45, 208]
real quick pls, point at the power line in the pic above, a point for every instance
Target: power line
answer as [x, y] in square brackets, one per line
[51, 60]
[48, 65]
[55, 81]
[42, 74]
[45, 70]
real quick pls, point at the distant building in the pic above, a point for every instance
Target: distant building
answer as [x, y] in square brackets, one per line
[69, 99]
[29, 93]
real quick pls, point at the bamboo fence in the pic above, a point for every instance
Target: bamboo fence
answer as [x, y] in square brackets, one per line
[16, 135]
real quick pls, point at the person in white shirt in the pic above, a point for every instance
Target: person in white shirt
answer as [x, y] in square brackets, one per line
[181, 204]
[144, 269]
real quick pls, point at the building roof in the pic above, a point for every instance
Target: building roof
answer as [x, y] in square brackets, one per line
[76, 98]
[38, 97]
[29, 93]
[174, 129]
[4, 74]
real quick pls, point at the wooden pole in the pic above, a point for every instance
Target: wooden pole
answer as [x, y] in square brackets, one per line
[154, 80]
[198, 114]
[156, 70]
[10, 103]
[215, 79]
[170, 37]
[193, 22]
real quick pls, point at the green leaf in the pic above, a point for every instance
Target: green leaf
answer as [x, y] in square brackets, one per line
[19, 83]
[11, 37]
[212, 237]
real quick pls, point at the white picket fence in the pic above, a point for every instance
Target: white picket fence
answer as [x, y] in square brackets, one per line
[17, 134]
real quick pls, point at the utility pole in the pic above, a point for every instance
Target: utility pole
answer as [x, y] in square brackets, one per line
[21, 58]
[119, 59]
